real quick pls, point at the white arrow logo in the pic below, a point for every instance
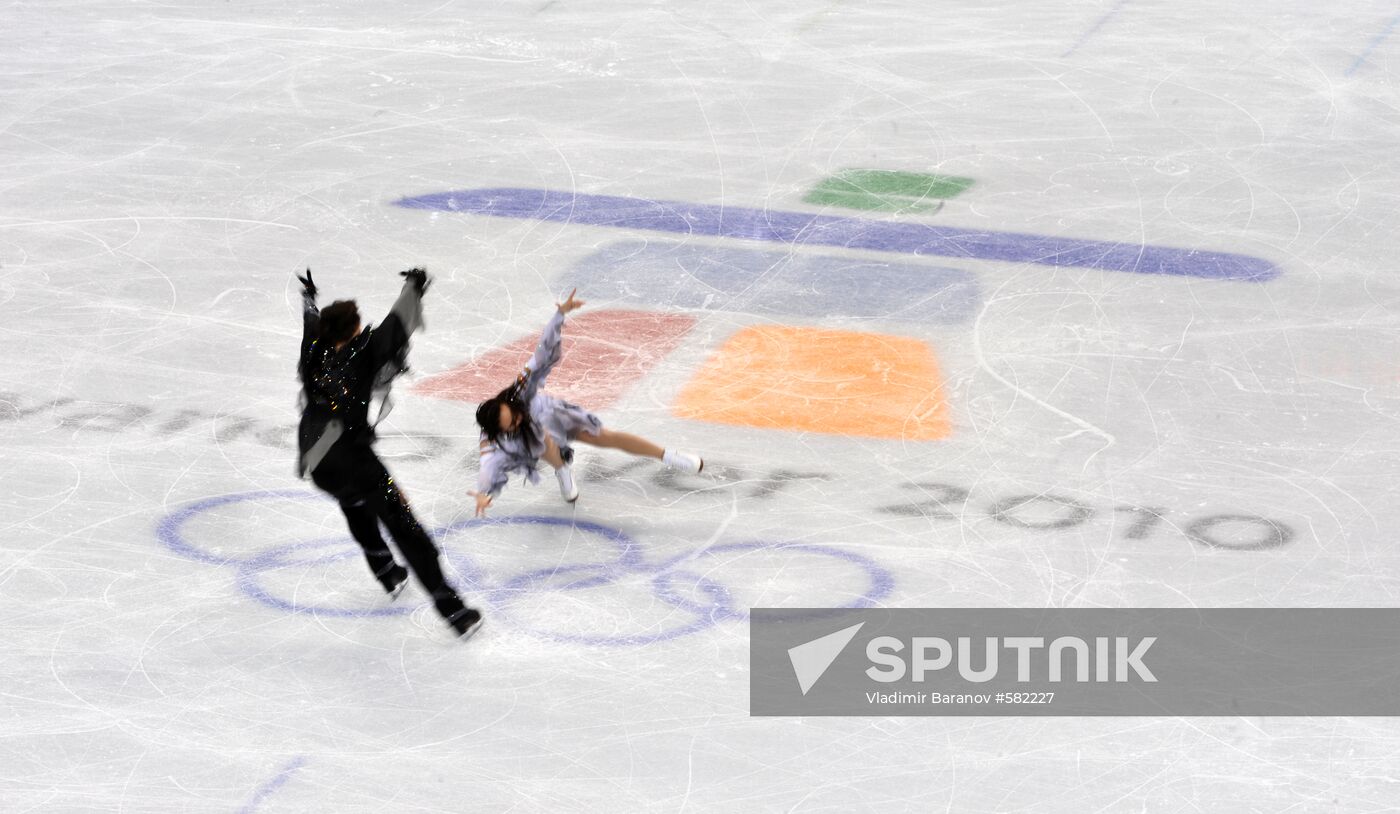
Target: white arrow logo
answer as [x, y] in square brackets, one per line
[810, 660]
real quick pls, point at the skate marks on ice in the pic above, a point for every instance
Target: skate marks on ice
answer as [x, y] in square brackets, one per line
[638, 594]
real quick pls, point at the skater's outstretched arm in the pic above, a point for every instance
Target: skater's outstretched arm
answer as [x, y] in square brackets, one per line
[549, 351]
[310, 316]
[389, 342]
[491, 478]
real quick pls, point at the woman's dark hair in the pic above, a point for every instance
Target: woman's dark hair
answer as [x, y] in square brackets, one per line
[488, 415]
[338, 322]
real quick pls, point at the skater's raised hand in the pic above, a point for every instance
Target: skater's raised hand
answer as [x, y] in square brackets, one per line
[419, 277]
[482, 501]
[571, 304]
[308, 285]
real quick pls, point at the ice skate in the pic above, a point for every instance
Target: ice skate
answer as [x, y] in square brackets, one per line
[393, 580]
[466, 622]
[398, 586]
[683, 461]
[567, 488]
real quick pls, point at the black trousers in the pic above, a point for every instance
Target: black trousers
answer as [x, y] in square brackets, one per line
[368, 496]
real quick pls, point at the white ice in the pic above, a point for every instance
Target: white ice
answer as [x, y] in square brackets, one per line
[167, 167]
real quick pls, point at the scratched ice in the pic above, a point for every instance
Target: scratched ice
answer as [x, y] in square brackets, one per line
[1159, 326]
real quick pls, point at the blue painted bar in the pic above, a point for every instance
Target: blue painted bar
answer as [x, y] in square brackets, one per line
[1371, 46]
[266, 789]
[706, 277]
[1095, 27]
[806, 229]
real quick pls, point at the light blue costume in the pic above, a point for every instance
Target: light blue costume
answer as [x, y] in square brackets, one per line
[511, 452]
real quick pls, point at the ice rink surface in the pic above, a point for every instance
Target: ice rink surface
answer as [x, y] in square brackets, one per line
[966, 397]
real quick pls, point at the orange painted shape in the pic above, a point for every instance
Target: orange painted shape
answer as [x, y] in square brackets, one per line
[605, 353]
[815, 380]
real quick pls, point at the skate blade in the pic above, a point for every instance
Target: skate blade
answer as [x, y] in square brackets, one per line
[471, 631]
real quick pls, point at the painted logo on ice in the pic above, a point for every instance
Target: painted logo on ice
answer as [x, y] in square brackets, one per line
[809, 229]
[787, 376]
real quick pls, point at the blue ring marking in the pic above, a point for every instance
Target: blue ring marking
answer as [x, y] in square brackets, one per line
[170, 529]
[627, 560]
[273, 559]
[881, 580]
[527, 582]
[628, 550]
[801, 228]
[721, 601]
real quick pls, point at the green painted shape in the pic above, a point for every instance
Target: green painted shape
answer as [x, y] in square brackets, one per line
[886, 190]
[865, 200]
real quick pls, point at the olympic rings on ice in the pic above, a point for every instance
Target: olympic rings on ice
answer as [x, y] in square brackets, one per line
[685, 585]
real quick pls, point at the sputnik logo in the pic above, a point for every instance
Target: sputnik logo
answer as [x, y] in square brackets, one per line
[811, 660]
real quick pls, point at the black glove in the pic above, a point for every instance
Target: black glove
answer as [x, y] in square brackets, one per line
[307, 284]
[419, 278]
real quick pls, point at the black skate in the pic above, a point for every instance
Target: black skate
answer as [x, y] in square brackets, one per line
[466, 622]
[394, 581]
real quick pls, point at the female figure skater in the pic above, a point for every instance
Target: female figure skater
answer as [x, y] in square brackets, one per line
[341, 368]
[521, 425]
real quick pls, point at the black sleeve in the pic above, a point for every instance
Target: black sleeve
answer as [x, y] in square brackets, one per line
[310, 327]
[388, 344]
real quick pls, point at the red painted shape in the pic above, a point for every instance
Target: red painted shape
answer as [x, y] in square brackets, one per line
[605, 353]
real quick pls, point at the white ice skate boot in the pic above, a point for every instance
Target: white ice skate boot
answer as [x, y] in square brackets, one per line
[683, 461]
[567, 488]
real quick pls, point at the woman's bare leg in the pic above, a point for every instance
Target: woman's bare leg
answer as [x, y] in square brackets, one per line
[627, 442]
[551, 454]
[567, 488]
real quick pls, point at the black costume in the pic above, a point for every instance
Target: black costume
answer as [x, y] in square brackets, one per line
[335, 441]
